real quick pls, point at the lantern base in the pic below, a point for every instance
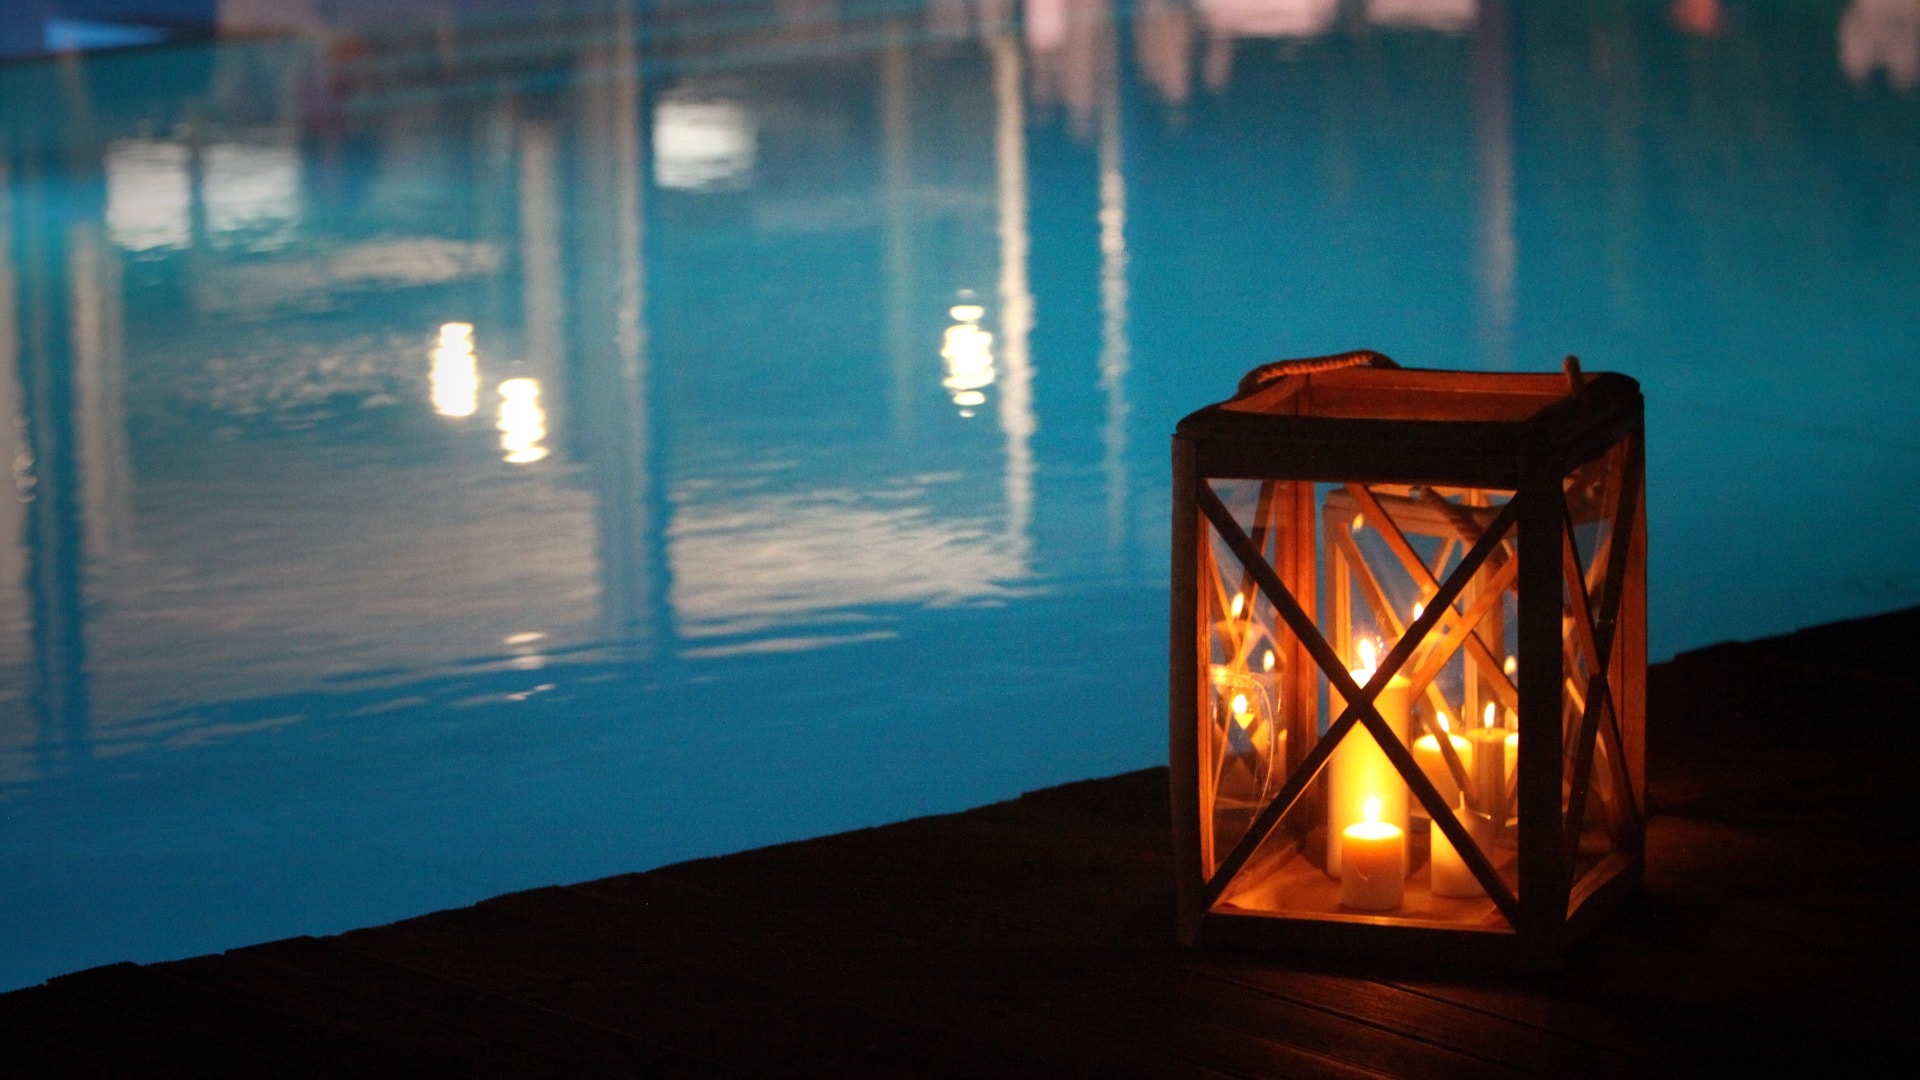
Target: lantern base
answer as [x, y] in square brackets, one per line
[1423, 940]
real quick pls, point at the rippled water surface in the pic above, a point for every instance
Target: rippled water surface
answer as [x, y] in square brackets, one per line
[459, 461]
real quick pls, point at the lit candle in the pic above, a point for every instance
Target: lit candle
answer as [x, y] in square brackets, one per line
[1447, 869]
[1433, 761]
[1488, 769]
[1359, 769]
[1375, 856]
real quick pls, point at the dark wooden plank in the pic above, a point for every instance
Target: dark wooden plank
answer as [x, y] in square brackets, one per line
[1476, 1033]
[572, 1045]
[983, 1008]
[1199, 1036]
[1366, 1046]
[202, 1030]
[654, 996]
[47, 1031]
[376, 1034]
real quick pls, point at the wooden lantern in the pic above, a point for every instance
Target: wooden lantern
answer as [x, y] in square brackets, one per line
[1408, 658]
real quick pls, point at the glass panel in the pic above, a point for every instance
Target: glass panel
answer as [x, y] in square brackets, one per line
[1379, 555]
[1253, 716]
[1593, 802]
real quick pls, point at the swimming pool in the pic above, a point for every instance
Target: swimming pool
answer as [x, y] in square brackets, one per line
[460, 461]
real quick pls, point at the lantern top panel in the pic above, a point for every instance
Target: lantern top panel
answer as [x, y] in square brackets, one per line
[1361, 423]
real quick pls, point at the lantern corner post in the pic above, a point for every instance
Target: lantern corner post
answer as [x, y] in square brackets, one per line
[1544, 860]
[1631, 646]
[1183, 683]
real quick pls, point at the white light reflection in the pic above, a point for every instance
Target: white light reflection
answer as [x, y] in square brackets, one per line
[1446, 16]
[1876, 34]
[1269, 18]
[523, 422]
[968, 353]
[1115, 348]
[252, 192]
[148, 195]
[703, 145]
[453, 381]
[1016, 291]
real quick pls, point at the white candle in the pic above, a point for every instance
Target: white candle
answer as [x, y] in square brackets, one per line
[1488, 769]
[1433, 762]
[1359, 769]
[1375, 856]
[1447, 869]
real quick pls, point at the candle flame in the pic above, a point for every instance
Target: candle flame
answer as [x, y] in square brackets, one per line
[1267, 661]
[1239, 605]
[1443, 722]
[1371, 808]
[1510, 667]
[1358, 524]
[1240, 707]
[1419, 609]
[1369, 655]
[1490, 711]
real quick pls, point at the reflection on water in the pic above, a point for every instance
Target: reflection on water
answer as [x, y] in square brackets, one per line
[1881, 36]
[788, 445]
[968, 351]
[523, 421]
[454, 379]
[702, 145]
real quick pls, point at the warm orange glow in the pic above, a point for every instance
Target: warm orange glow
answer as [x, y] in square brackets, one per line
[1267, 661]
[1511, 667]
[1369, 653]
[1238, 606]
[1443, 722]
[1240, 707]
[1491, 713]
[1370, 809]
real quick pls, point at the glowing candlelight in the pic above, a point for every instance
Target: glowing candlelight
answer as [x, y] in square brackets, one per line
[1446, 868]
[1488, 769]
[1433, 761]
[1359, 769]
[1375, 856]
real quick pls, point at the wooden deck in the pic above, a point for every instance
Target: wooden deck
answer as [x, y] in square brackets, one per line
[1777, 926]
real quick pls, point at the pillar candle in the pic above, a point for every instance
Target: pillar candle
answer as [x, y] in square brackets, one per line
[1426, 751]
[1359, 769]
[1448, 871]
[1374, 854]
[1488, 768]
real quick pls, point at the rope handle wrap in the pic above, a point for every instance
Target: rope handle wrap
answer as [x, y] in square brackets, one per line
[1259, 378]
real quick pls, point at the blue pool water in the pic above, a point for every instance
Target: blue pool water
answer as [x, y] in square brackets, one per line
[456, 461]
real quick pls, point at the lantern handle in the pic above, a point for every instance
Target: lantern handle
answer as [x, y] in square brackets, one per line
[1261, 376]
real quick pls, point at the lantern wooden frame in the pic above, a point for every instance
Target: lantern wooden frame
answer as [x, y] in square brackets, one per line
[1414, 453]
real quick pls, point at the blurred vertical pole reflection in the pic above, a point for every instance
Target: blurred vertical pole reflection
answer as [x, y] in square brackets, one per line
[896, 194]
[1115, 354]
[1016, 290]
[17, 728]
[55, 540]
[543, 305]
[100, 408]
[611, 348]
[1495, 254]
